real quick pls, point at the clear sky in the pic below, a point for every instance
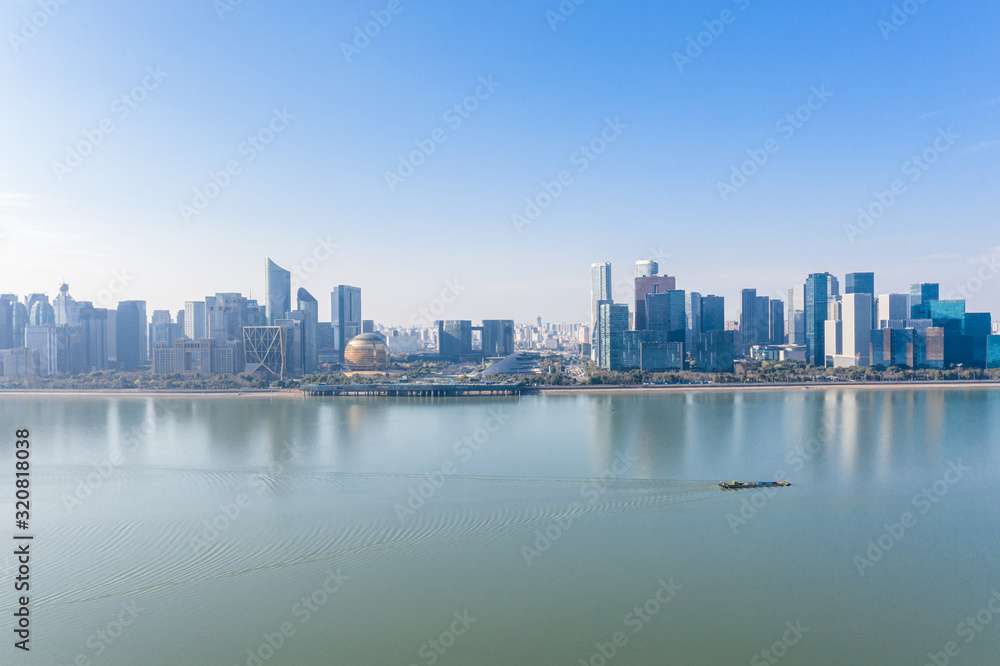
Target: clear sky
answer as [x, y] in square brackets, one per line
[329, 121]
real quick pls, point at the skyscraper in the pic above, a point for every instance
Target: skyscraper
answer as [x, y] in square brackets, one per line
[613, 323]
[755, 321]
[667, 314]
[310, 307]
[692, 313]
[857, 326]
[194, 320]
[713, 314]
[776, 322]
[130, 336]
[862, 283]
[648, 283]
[919, 294]
[498, 337]
[795, 325]
[891, 307]
[600, 290]
[345, 314]
[816, 293]
[277, 291]
[6, 323]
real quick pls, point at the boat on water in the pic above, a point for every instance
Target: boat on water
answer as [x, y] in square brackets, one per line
[737, 485]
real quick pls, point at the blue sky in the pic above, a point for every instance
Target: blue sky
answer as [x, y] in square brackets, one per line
[345, 122]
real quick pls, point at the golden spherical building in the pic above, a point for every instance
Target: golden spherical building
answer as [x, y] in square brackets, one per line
[367, 351]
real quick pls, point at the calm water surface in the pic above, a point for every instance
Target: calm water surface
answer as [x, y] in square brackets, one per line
[541, 530]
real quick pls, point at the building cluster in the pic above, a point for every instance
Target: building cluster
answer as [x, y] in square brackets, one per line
[222, 334]
[670, 329]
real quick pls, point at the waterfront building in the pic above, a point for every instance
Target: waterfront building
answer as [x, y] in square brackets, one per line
[498, 337]
[277, 291]
[993, 351]
[862, 283]
[816, 299]
[600, 292]
[454, 338]
[367, 351]
[613, 323]
[130, 334]
[692, 317]
[856, 329]
[776, 322]
[892, 347]
[309, 307]
[891, 307]
[666, 311]
[919, 295]
[195, 320]
[796, 323]
[45, 340]
[66, 312]
[20, 363]
[646, 284]
[345, 313]
[267, 350]
[715, 351]
[6, 324]
[975, 331]
[713, 313]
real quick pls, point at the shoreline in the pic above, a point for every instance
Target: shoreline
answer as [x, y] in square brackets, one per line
[789, 386]
[526, 391]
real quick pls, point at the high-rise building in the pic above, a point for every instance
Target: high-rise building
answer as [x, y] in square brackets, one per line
[692, 313]
[600, 291]
[163, 329]
[130, 334]
[713, 313]
[65, 307]
[777, 322]
[310, 331]
[816, 295]
[277, 291]
[646, 268]
[891, 307]
[227, 313]
[919, 294]
[666, 312]
[454, 338]
[976, 330]
[646, 285]
[857, 326]
[498, 337]
[6, 323]
[715, 351]
[862, 283]
[613, 323]
[195, 322]
[345, 312]
[755, 321]
[295, 344]
[795, 325]
[45, 340]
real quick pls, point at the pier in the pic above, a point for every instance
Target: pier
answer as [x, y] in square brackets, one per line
[411, 390]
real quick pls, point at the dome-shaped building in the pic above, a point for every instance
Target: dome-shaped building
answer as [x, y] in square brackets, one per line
[367, 351]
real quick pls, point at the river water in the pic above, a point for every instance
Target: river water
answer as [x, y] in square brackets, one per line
[552, 529]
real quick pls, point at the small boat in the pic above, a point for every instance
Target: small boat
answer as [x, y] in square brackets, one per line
[737, 485]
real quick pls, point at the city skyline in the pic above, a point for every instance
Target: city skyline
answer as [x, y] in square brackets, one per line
[719, 153]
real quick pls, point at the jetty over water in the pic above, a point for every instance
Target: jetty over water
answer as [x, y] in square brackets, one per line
[408, 390]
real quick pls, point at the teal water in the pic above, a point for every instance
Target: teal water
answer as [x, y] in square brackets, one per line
[536, 530]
